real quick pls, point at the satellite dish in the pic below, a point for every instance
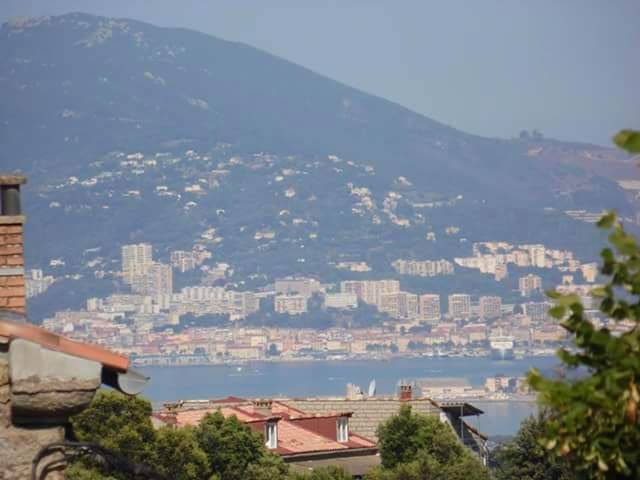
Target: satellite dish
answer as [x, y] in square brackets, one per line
[372, 388]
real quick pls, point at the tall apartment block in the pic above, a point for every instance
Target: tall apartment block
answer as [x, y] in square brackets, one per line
[529, 284]
[459, 305]
[430, 308]
[490, 307]
[137, 261]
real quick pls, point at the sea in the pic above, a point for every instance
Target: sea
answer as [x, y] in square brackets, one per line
[330, 377]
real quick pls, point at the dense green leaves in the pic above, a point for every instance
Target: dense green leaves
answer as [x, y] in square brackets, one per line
[414, 446]
[179, 457]
[121, 424]
[328, 473]
[219, 448]
[526, 458]
[230, 445]
[628, 140]
[593, 412]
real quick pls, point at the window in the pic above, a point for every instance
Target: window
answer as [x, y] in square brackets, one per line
[343, 429]
[271, 434]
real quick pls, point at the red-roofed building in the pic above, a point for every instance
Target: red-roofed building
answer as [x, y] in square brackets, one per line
[295, 435]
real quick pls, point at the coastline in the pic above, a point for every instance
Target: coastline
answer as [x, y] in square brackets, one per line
[289, 360]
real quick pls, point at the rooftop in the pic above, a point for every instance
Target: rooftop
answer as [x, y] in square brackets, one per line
[116, 369]
[299, 433]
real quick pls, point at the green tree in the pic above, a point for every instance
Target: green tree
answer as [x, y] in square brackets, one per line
[327, 473]
[525, 458]
[593, 413]
[179, 457]
[404, 435]
[231, 446]
[119, 423]
[414, 446]
[269, 467]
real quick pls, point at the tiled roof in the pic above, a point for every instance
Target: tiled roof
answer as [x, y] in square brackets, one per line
[367, 413]
[295, 439]
[298, 431]
[11, 330]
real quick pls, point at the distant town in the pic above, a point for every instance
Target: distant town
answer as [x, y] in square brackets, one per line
[207, 323]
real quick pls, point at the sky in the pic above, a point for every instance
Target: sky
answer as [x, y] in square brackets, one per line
[569, 68]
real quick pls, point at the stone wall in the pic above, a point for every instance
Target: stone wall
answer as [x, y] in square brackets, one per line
[36, 399]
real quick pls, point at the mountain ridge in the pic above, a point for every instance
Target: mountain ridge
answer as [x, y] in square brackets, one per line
[131, 132]
[355, 114]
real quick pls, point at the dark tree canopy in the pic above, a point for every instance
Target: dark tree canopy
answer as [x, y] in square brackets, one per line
[414, 446]
[525, 457]
[593, 415]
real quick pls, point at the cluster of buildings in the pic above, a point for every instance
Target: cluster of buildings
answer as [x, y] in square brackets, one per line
[36, 283]
[145, 276]
[494, 257]
[149, 322]
[424, 268]
[229, 343]
[186, 260]
[46, 378]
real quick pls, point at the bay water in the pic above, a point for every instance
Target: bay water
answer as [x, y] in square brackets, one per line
[329, 378]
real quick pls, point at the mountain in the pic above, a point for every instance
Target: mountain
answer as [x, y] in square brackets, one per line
[108, 115]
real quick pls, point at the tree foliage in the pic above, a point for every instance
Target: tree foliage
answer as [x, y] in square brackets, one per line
[414, 446]
[326, 473]
[178, 455]
[525, 458]
[219, 448]
[234, 451]
[117, 422]
[593, 413]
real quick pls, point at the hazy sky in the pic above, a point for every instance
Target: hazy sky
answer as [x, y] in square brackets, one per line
[570, 68]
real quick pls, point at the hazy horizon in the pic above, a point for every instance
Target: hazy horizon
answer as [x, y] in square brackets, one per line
[491, 69]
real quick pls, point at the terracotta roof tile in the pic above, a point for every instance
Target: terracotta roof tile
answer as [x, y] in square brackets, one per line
[298, 431]
[14, 330]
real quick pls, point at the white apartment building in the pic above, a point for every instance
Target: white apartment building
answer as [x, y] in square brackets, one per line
[201, 293]
[459, 305]
[157, 281]
[290, 304]
[403, 305]
[537, 311]
[341, 300]
[137, 260]
[490, 307]
[430, 308]
[529, 284]
[537, 255]
[36, 282]
[501, 272]
[370, 291]
[302, 286]
[183, 260]
[161, 279]
[424, 268]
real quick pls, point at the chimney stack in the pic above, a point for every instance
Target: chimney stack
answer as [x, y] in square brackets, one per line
[12, 286]
[406, 392]
[263, 407]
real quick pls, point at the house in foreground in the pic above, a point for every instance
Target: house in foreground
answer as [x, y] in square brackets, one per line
[314, 432]
[304, 441]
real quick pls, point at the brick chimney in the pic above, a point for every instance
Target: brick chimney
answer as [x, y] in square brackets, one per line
[12, 286]
[263, 406]
[406, 392]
